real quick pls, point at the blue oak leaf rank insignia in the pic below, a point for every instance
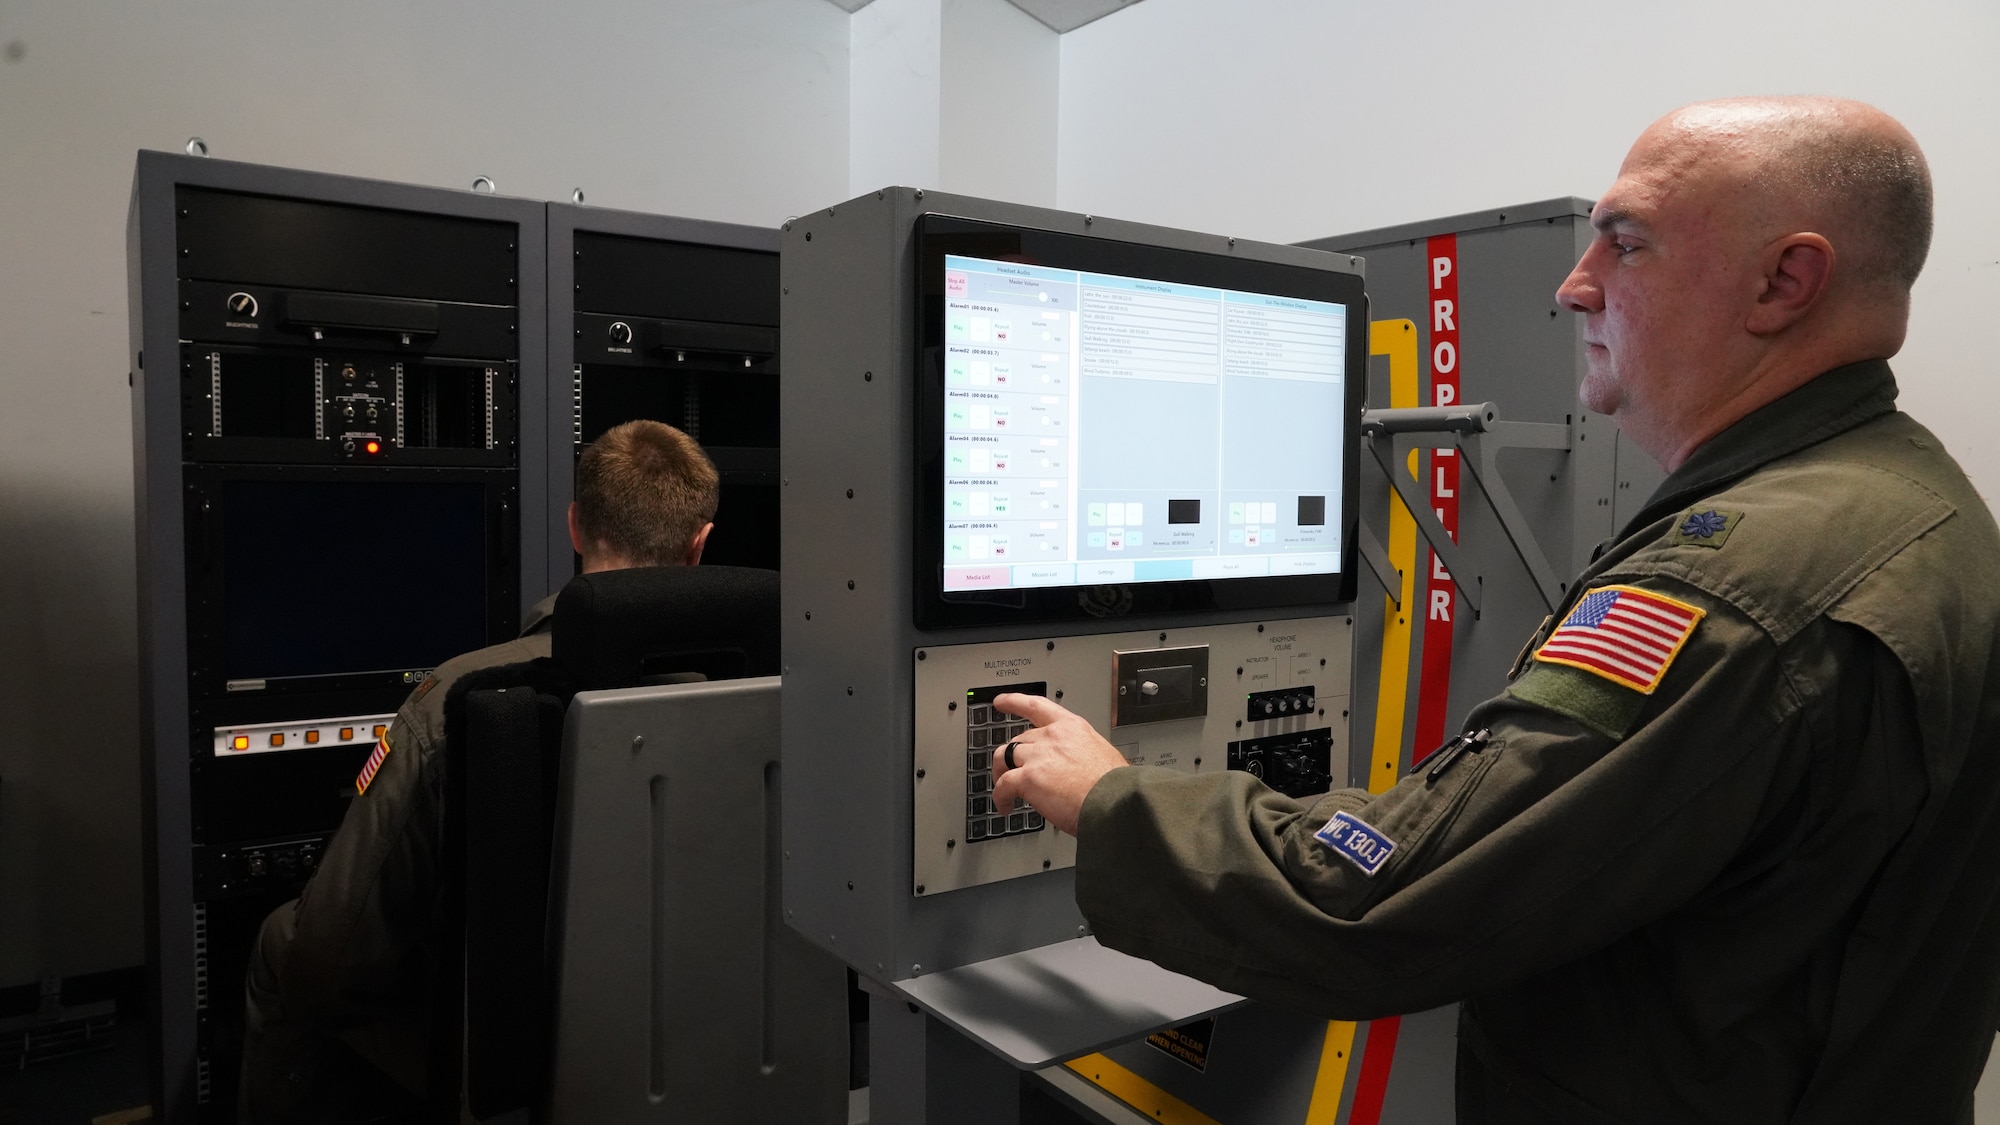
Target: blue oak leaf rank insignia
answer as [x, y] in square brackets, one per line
[1704, 525]
[1705, 528]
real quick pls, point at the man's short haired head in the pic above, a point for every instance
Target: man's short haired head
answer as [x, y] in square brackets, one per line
[645, 496]
[1748, 246]
[1845, 165]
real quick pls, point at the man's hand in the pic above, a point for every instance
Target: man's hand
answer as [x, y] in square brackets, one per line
[1054, 764]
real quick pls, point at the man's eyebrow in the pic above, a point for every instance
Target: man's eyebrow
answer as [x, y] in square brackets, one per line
[1605, 220]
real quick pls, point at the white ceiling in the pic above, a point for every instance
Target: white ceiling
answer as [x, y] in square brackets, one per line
[1058, 15]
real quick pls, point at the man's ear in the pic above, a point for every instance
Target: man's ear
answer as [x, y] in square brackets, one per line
[700, 540]
[575, 533]
[1797, 270]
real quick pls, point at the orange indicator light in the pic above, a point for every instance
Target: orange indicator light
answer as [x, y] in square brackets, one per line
[373, 448]
[347, 734]
[380, 731]
[312, 738]
[240, 742]
[277, 740]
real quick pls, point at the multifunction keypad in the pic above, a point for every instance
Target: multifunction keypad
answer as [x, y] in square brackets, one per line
[987, 732]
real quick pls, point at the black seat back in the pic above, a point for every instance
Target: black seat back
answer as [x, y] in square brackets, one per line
[625, 628]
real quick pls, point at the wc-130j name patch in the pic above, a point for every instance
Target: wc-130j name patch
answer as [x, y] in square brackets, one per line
[1355, 842]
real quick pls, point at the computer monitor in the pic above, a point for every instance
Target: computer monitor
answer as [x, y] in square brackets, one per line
[1106, 427]
[307, 580]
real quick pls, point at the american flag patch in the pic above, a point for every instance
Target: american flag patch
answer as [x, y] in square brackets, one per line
[375, 760]
[1625, 634]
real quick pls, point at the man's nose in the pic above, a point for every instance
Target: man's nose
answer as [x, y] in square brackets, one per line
[1578, 293]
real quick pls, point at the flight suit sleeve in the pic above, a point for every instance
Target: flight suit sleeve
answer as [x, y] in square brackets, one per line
[358, 942]
[1586, 816]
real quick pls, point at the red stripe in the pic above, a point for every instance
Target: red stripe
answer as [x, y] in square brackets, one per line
[1373, 1086]
[1441, 483]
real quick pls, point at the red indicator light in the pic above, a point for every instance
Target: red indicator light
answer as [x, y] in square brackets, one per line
[373, 448]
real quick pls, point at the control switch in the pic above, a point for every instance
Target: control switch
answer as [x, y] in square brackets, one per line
[1156, 684]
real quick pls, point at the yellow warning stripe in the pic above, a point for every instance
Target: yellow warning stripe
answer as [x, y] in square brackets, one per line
[1138, 1093]
[1396, 339]
[1334, 1055]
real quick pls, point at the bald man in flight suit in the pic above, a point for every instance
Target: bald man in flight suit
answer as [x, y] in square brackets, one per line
[336, 1000]
[1727, 849]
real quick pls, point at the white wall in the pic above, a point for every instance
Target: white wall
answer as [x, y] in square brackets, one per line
[897, 86]
[716, 109]
[956, 95]
[999, 119]
[1295, 119]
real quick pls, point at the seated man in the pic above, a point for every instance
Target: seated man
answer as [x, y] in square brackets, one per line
[336, 1000]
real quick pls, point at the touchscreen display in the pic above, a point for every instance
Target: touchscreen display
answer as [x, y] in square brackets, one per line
[1110, 429]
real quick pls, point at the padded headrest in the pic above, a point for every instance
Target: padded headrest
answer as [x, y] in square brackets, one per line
[622, 628]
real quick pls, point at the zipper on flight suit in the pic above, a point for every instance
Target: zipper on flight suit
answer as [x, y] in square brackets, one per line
[1447, 754]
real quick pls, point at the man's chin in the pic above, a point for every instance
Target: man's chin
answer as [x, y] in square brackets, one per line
[1598, 393]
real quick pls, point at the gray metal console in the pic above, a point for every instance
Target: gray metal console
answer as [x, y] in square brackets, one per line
[1049, 453]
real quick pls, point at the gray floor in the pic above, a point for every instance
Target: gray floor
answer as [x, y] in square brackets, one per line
[75, 1090]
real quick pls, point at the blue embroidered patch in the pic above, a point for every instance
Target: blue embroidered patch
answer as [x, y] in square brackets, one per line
[1704, 525]
[1356, 842]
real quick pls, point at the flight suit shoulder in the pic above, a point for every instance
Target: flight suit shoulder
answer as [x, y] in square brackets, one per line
[1792, 539]
[421, 717]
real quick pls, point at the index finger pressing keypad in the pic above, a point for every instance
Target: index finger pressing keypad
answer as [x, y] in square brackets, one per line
[988, 730]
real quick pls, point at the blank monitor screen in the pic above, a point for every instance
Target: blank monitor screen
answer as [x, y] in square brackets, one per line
[336, 577]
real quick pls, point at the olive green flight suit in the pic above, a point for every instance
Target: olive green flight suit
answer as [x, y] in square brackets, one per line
[1763, 892]
[338, 975]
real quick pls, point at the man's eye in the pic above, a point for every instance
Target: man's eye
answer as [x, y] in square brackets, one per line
[1622, 248]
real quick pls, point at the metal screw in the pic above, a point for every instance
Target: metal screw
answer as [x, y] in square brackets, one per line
[920, 775]
[638, 742]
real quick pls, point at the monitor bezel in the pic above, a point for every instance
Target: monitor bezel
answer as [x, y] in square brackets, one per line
[939, 235]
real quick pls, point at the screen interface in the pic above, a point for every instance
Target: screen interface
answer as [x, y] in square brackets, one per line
[327, 577]
[1106, 429]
